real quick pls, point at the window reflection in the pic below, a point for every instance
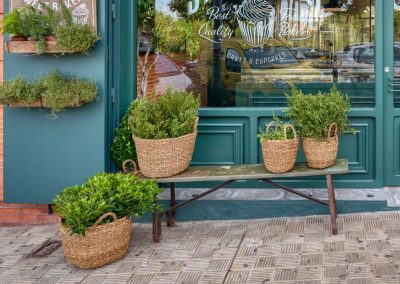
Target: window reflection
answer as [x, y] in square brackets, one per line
[247, 52]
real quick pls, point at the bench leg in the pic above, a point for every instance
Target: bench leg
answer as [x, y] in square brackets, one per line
[156, 227]
[171, 215]
[332, 203]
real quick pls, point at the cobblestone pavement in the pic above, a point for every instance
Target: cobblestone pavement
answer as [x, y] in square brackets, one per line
[284, 250]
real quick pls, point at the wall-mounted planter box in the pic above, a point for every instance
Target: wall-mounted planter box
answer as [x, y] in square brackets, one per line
[29, 46]
[39, 103]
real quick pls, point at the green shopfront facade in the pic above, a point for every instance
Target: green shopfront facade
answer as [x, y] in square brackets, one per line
[241, 77]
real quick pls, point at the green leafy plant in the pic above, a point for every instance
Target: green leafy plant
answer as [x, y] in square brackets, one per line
[275, 132]
[12, 24]
[169, 116]
[75, 38]
[123, 147]
[37, 24]
[18, 90]
[313, 114]
[56, 91]
[60, 92]
[80, 206]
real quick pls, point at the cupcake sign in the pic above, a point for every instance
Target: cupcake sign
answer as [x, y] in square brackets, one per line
[256, 20]
[83, 11]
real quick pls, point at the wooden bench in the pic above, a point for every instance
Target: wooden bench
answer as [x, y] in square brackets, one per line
[230, 174]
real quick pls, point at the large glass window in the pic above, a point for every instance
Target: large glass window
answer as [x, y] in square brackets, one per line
[239, 53]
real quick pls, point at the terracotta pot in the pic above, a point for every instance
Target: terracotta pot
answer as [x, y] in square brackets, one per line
[50, 38]
[18, 38]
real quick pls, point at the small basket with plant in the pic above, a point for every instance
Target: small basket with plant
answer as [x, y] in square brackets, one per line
[279, 145]
[321, 119]
[164, 130]
[96, 216]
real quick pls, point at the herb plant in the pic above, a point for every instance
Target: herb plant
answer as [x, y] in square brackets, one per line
[314, 114]
[36, 24]
[56, 91]
[275, 132]
[59, 92]
[18, 90]
[80, 206]
[123, 147]
[12, 24]
[75, 38]
[169, 116]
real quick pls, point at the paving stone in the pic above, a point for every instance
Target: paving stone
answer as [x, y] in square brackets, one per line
[284, 274]
[300, 250]
[335, 271]
[189, 278]
[311, 260]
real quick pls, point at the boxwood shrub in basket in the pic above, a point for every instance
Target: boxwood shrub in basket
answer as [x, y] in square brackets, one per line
[320, 118]
[164, 130]
[96, 216]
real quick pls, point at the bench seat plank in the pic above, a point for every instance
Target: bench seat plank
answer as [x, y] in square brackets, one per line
[248, 172]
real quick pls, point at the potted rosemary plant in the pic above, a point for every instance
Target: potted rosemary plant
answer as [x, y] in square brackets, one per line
[321, 119]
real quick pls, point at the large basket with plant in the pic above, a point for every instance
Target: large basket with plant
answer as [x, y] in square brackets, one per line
[279, 146]
[164, 130]
[321, 119]
[96, 217]
[101, 244]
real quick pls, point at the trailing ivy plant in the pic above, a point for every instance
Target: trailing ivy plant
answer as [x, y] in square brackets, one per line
[56, 92]
[123, 147]
[169, 116]
[275, 132]
[80, 206]
[313, 114]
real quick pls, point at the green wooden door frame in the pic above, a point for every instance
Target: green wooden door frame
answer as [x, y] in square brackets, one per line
[368, 174]
[391, 122]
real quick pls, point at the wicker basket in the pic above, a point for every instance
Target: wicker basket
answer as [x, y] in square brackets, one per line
[280, 155]
[102, 244]
[322, 153]
[160, 158]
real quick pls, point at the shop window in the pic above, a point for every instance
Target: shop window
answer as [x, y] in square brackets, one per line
[233, 60]
[225, 51]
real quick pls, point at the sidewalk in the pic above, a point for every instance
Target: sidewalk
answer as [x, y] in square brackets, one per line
[284, 250]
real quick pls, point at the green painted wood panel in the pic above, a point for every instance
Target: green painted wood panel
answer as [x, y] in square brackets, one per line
[42, 156]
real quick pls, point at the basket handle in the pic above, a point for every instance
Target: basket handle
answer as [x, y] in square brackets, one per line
[271, 124]
[112, 214]
[333, 125]
[129, 161]
[196, 124]
[285, 131]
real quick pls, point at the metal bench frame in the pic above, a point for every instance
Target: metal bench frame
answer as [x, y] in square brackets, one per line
[170, 213]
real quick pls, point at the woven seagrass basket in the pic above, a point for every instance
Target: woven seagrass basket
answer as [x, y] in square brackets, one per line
[160, 158]
[102, 244]
[280, 155]
[322, 153]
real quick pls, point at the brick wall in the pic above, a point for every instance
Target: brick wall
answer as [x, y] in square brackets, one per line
[17, 214]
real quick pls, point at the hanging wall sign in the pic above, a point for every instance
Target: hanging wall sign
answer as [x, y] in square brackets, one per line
[83, 11]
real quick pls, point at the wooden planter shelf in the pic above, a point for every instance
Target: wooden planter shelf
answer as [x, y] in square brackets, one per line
[29, 46]
[39, 104]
